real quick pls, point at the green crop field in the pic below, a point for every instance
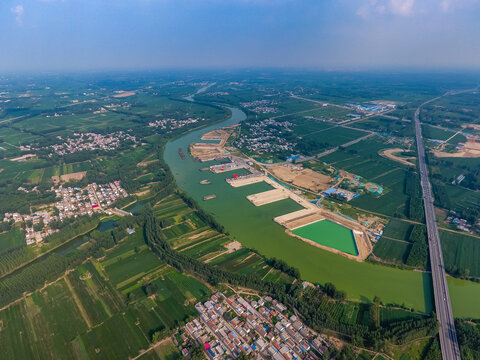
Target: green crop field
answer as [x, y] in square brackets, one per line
[392, 250]
[329, 112]
[432, 132]
[391, 315]
[334, 136]
[11, 239]
[329, 234]
[42, 325]
[461, 198]
[127, 265]
[461, 253]
[382, 125]
[97, 296]
[464, 297]
[397, 229]
[204, 249]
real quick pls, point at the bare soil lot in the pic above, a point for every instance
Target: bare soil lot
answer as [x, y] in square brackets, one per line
[24, 157]
[305, 178]
[123, 94]
[471, 149]
[391, 154]
[67, 177]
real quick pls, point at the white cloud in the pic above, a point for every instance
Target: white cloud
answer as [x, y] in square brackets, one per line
[402, 7]
[396, 7]
[18, 12]
[368, 8]
[448, 5]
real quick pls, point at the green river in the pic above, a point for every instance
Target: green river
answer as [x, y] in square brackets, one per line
[254, 228]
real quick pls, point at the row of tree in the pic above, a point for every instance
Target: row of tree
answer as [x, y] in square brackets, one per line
[413, 191]
[418, 254]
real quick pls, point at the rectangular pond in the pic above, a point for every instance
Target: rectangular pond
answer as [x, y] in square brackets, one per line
[329, 233]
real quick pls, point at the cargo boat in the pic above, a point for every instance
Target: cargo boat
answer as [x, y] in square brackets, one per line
[180, 152]
[209, 197]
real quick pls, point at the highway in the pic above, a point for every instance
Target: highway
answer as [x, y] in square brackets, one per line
[447, 333]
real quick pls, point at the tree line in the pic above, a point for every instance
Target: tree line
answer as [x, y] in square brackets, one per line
[413, 191]
[418, 255]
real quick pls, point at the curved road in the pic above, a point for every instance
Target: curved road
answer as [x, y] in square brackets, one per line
[447, 333]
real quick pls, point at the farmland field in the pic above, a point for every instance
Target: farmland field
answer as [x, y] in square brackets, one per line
[42, 325]
[431, 132]
[461, 253]
[392, 250]
[11, 239]
[397, 229]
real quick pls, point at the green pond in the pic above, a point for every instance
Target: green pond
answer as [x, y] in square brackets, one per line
[254, 228]
[329, 234]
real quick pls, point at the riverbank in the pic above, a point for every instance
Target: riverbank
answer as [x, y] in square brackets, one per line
[254, 228]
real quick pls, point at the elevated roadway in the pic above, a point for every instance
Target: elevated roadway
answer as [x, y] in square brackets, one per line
[447, 333]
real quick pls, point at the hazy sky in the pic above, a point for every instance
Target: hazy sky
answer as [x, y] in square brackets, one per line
[325, 34]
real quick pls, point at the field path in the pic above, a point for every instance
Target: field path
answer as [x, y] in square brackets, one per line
[153, 346]
[79, 304]
[199, 243]
[385, 173]
[269, 271]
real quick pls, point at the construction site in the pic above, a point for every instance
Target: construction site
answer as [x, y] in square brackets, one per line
[314, 225]
[345, 234]
[302, 177]
[207, 151]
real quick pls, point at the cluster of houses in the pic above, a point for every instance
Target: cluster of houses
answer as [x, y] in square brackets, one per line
[461, 224]
[260, 106]
[75, 201]
[90, 142]
[36, 225]
[372, 107]
[172, 124]
[218, 93]
[265, 136]
[260, 329]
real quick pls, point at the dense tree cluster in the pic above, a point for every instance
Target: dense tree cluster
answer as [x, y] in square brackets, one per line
[284, 267]
[208, 218]
[413, 191]
[441, 196]
[418, 254]
[19, 201]
[469, 339]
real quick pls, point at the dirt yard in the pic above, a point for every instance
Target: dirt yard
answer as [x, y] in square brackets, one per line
[24, 157]
[123, 94]
[471, 126]
[146, 163]
[471, 149]
[206, 152]
[268, 196]
[67, 177]
[305, 178]
[390, 154]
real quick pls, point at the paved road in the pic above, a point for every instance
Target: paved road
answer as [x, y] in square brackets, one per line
[447, 334]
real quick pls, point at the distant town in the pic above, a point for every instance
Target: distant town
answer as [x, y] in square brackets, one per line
[171, 123]
[86, 142]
